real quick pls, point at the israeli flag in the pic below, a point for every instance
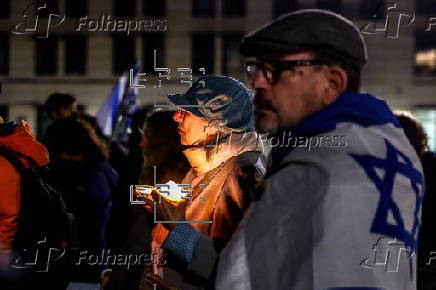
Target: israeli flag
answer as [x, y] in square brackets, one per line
[340, 215]
[128, 107]
[107, 115]
[115, 115]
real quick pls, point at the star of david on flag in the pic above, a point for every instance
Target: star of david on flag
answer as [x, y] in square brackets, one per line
[396, 163]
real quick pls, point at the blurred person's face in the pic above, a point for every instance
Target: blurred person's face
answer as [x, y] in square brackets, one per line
[63, 112]
[297, 92]
[193, 130]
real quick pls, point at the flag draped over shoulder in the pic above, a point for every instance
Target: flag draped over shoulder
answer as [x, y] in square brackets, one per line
[341, 214]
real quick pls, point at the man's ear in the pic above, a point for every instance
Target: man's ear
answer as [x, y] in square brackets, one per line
[336, 84]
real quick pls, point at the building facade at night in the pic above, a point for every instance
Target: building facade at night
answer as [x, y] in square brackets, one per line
[91, 43]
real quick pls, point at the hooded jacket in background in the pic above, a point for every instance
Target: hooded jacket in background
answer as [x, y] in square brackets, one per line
[21, 141]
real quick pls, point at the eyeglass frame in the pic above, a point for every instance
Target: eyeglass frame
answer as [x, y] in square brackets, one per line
[279, 67]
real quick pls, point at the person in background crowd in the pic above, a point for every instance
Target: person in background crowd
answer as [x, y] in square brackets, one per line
[414, 131]
[32, 215]
[225, 156]
[83, 115]
[427, 235]
[81, 172]
[18, 139]
[161, 145]
[128, 163]
[60, 106]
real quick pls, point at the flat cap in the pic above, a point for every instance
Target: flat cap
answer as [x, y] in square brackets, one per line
[309, 29]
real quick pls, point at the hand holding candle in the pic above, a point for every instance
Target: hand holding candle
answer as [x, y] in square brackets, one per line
[168, 210]
[170, 198]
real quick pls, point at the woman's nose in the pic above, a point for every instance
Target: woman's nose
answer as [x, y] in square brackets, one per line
[178, 116]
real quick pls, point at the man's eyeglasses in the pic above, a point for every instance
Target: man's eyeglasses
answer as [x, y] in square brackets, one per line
[273, 69]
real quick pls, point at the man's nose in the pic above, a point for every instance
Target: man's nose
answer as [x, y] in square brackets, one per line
[178, 116]
[259, 81]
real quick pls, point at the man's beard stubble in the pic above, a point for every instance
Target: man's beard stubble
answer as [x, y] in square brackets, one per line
[264, 122]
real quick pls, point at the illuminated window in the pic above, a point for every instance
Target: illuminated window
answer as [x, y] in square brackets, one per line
[233, 8]
[75, 54]
[5, 8]
[428, 119]
[46, 55]
[231, 58]
[425, 54]
[426, 60]
[123, 53]
[4, 54]
[203, 8]
[283, 6]
[332, 5]
[203, 52]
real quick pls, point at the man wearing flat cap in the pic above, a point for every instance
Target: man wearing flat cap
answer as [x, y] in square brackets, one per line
[333, 215]
[341, 207]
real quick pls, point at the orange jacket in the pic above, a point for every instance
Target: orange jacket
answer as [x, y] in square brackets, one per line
[23, 142]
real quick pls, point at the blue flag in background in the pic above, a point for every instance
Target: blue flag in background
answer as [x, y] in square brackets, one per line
[107, 115]
[129, 106]
[123, 111]
[116, 114]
